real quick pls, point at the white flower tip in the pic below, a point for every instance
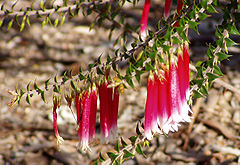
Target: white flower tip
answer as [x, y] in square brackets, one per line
[148, 135]
[83, 146]
[60, 140]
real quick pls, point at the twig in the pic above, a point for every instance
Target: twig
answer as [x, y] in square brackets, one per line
[47, 11]
[219, 127]
[227, 86]
[195, 109]
[226, 150]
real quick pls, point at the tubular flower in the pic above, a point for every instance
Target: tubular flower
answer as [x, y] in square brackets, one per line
[144, 19]
[163, 111]
[86, 104]
[55, 107]
[109, 100]
[149, 108]
[167, 8]
[179, 8]
[167, 96]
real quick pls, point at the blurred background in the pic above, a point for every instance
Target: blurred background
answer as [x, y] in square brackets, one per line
[36, 54]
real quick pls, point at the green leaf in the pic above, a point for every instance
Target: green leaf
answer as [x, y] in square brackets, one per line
[197, 94]
[62, 20]
[112, 156]
[28, 21]
[124, 144]
[73, 86]
[211, 9]
[102, 159]
[203, 90]
[22, 26]
[56, 22]
[130, 82]
[47, 84]
[176, 40]
[56, 89]
[230, 42]
[99, 71]
[10, 24]
[217, 70]
[28, 99]
[44, 22]
[193, 25]
[148, 66]
[204, 3]
[211, 77]
[133, 139]
[146, 142]
[222, 56]
[117, 146]
[96, 163]
[43, 96]
[42, 4]
[81, 76]
[139, 150]
[203, 16]
[232, 29]
[116, 162]
[127, 154]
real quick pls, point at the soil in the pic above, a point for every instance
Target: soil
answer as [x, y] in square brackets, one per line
[36, 54]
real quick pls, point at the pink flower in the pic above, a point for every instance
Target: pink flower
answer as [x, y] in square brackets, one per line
[144, 19]
[179, 8]
[93, 112]
[55, 107]
[167, 96]
[109, 100]
[86, 104]
[167, 8]
[149, 108]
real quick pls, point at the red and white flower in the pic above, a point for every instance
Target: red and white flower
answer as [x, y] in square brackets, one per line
[109, 100]
[144, 19]
[86, 105]
[167, 96]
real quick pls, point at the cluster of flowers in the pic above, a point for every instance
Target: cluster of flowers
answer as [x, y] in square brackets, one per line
[166, 104]
[167, 96]
[168, 86]
[86, 109]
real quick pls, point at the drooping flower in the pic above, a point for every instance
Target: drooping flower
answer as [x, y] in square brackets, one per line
[149, 108]
[93, 112]
[164, 111]
[179, 8]
[109, 100]
[144, 19]
[84, 121]
[167, 96]
[86, 104]
[167, 8]
[55, 107]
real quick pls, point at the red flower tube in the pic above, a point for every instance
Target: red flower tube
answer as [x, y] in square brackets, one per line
[86, 104]
[179, 8]
[167, 8]
[144, 19]
[109, 100]
[174, 97]
[84, 124]
[183, 74]
[164, 111]
[93, 112]
[78, 107]
[55, 106]
[148, 108]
